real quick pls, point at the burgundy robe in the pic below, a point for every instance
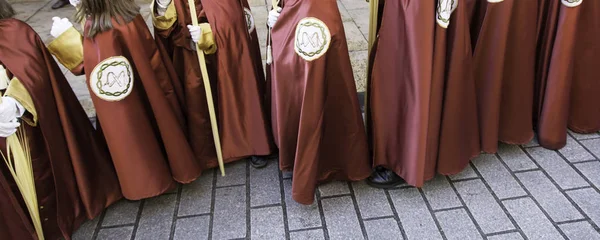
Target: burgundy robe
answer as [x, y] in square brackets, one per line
[569, 78]
[315, 112]
[74, 177]
[236, 78]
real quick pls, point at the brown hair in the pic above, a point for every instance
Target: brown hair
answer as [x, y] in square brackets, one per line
[6, 11]
[101, 13]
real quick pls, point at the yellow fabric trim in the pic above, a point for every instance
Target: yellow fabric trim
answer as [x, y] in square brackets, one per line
[17, 91]
[207, 41]
[164, 22]
[68, 48]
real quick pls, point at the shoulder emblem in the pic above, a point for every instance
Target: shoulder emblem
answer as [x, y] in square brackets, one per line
[571, 3]
[444, 12]
[249, 19]
[495, 1]
[112, 79]
[312, 38]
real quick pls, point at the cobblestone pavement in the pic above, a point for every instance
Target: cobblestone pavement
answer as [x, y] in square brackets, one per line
[523, 192]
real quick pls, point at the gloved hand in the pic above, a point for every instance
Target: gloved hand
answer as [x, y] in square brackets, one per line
[8, 128]
[10, 110]
[195, 32]
[273, 16]
[3, 78]
[75, 3]
[60, 26]
[161, 6]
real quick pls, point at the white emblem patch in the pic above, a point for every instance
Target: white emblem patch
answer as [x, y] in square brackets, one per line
[249, 19]
[444, 12]
[312, 38]
[112, 79]
[571, 3]
[495, 1]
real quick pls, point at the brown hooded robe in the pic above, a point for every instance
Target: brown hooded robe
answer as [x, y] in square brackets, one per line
[75, 179]
[236, 77]
[315, 112]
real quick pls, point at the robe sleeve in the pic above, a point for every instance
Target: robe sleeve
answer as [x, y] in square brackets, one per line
[17, 90]
[207, 42]
[68, 49]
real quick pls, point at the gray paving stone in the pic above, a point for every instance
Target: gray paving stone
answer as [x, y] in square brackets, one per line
[334, 188]
[192, 228]
[358, 59]
[591, 170]
[344, 13]
[575, 152]
[115, 233]
[487, 213]
[196, 196]
[580, 136]
[467, 173]
[457, 224]
[506, 236]
[362, 20]
[515, 158]
[593, 145]
[122, 212]
[86, 231]
[315, 234]
[287, 175]
[414, 215]
[558, 169]
[235, 174]
[498, 177]
[264, 185]
[267, 223]
[589, 201]
[355, 39]
[372, 202]
[353, 4]
[533, 143]
[549, 197]
[383, 229]
[440, 194]
[580, 230]
[300, 216]
[341, 219]
[531, 219]
[229, 219]
[157, 217]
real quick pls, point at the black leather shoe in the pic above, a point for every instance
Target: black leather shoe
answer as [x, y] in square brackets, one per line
[60, 4]
[384, 179]
[258, 162]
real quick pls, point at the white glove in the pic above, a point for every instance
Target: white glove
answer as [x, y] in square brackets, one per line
[9, 128]
[273, 16]
[161, 6]
[75, 3]
[3, 78]
[195, 32]
[10, 110]
[60, 26]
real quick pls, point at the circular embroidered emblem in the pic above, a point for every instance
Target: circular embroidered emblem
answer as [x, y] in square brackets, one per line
[249, 19]
[495, 1]
[312, 38]
[571, 3]
[444, 12]
[112, 79]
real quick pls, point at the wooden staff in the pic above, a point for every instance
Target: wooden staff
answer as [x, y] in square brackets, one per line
[208, 90]
[374, 8]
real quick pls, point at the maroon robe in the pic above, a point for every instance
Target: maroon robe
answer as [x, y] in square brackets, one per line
[315, 113]
[569, 83]
[236, 78]
[145, 131]
[74, 177]
[505, 38]
[422, 112]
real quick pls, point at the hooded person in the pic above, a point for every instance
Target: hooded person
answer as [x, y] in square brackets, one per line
[138, 100]
[422, 116]
[73, 177]
[315, 112]
[569, 80]
[227, 36]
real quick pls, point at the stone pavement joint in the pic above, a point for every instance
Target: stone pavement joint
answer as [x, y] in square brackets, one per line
[522, 192]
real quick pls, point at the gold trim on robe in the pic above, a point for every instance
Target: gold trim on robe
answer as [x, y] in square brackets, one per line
[17, 90]
[207, 41]
[164, 22]
[68, 48]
